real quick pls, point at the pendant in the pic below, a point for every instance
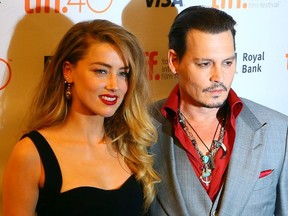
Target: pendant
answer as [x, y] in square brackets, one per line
[208, 161]
[221, 144]
[206, 173]
[205, 180]
[207, 169]
[205, 159]
[206, 176]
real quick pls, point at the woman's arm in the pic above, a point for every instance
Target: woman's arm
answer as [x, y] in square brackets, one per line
[21, 180]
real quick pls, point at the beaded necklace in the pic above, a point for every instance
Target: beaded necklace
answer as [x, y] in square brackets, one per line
[207, 159]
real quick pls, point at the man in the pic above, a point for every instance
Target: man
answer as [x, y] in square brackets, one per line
[217, 154]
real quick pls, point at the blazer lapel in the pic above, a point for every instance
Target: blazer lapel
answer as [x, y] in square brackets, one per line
[244, 166]
[178, 175]
[171, 200]
[189, 184]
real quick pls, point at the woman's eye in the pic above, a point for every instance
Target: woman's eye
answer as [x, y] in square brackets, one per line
[100, 71]
[124, 74]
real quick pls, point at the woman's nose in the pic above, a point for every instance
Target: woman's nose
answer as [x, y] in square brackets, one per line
[112, 82]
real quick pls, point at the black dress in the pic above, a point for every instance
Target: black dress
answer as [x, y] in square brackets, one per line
[85, 201]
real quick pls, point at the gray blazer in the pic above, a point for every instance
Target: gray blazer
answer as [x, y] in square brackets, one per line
[260, 144]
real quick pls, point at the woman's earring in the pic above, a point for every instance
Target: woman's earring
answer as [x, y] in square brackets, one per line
[68, 92]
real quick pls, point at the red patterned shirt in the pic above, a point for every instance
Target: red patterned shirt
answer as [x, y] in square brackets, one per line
[170, 110]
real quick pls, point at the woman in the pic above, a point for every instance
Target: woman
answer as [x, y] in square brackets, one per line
[84, 152]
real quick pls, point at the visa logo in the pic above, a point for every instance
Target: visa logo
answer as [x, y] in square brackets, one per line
[163, 3]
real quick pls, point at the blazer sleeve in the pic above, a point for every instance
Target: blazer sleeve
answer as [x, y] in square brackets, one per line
[281, 207]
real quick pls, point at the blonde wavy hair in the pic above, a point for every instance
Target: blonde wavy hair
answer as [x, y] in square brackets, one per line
[131, 127]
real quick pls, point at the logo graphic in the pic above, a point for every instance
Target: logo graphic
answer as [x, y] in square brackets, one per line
[152, 62]
[164, 71]
[163, 3]
[96, 6]
[264, 4]
[252, 64]
[287, 60]
[223, 4]
[166, 74]
[8, 77]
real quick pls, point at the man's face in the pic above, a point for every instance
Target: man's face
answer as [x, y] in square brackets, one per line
[207, 68]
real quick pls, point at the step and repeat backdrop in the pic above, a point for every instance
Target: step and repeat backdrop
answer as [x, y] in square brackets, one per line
[30, 30]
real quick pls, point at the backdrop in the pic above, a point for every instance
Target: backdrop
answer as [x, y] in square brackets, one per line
[30, 30]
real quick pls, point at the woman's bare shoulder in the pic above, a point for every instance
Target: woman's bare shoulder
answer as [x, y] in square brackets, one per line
[25, 152]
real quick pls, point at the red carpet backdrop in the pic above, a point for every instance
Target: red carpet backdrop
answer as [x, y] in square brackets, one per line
[30, 30]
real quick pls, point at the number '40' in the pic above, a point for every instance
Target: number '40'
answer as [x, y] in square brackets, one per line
[91, 6]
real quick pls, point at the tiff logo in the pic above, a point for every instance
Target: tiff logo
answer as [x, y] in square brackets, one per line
[151, 59]
[39, 6]
[228, 4]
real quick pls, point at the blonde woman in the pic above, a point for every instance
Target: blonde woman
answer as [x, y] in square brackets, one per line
[85, 149]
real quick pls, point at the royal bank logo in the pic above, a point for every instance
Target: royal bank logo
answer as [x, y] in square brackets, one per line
[38, 6]
[252, 62]
[164, 3]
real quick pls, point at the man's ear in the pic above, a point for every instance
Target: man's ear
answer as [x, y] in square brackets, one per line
[173, 61]
[67, 71]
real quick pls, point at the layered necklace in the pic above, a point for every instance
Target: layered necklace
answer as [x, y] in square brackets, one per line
[208, 158]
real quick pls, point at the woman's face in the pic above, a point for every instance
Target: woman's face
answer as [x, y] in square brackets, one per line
[100, 81]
